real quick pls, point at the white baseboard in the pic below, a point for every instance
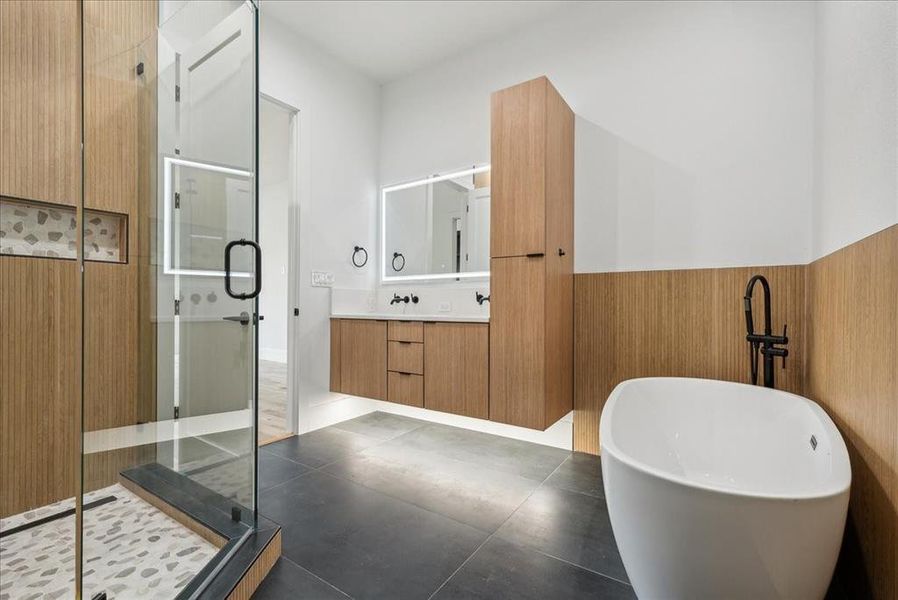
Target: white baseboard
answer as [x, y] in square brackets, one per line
[273, 354]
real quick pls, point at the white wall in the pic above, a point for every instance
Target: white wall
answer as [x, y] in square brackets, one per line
[275, 135]
[856, 179]
[701, 134]
[339, 114]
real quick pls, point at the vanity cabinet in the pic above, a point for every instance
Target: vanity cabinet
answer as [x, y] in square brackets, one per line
[405, 331]
[457, 359]
[405, 362]
[405, 388]
[360, 349]
[405, 357]
[439, 366]
[531, 241]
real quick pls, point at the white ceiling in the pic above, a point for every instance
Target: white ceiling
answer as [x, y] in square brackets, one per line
[389, 39]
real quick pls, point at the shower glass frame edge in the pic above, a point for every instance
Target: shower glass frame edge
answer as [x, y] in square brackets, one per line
[79, 298]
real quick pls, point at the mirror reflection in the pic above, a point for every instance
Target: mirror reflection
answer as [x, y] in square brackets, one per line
[438, 227]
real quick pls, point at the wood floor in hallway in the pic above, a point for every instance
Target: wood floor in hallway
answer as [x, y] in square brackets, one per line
[272, 401]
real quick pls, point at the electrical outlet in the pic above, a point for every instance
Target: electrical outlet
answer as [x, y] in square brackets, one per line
[322, 279]
[372, 303]
[445, 307]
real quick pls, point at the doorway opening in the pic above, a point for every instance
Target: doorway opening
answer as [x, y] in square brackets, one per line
[277, 232]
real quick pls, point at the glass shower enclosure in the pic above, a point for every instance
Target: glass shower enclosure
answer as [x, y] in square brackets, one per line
[168, 465]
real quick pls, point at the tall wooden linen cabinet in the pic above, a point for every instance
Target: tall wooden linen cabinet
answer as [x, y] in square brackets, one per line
[532, 255]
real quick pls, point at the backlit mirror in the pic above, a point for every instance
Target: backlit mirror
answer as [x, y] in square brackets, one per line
[437, 228]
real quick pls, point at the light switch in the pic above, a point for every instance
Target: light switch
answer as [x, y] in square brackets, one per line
[322, 279]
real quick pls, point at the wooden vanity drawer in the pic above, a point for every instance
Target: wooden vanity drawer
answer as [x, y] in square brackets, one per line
[405, 357]
[405, 388]
[405, 331]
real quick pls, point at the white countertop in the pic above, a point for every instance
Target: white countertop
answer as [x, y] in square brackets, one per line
[449, 318]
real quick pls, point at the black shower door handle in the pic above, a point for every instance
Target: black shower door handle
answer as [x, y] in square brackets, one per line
[257, 287]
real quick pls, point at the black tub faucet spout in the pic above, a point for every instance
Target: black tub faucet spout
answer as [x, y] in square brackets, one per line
[766, 343]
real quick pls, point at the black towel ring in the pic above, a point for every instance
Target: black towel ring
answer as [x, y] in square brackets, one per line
[355, 252]
[397, 255]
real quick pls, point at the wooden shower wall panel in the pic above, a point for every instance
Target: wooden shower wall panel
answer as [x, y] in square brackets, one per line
[852, 371]
[39, 374]
[118, 36]
[144, 225]
[686, 323]
[40, 100]
[110, 346]
[40, 147]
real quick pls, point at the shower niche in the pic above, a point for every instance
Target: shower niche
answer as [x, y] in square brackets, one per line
[45, 230]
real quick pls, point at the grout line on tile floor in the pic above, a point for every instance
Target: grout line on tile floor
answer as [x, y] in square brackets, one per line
[397, 436]
[543, 484]
[405, 501]
[476, 550]
[270, 453]
[461, 461]
[581, 567]
[490, 535]
[316, 576]
[286, 481]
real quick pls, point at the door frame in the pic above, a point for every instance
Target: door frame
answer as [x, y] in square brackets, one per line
[293, 256]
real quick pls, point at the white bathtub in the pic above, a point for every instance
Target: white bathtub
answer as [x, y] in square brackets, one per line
[716, 491]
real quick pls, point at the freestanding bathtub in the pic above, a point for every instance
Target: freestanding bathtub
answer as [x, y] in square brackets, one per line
[723, 490]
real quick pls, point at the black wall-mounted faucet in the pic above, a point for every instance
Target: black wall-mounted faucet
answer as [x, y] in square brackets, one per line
[397, 299]
[766, 343]
[481, 298]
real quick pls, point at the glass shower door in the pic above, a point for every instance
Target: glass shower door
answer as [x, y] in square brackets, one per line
[210, 276]
[169, 462]
[215, 267]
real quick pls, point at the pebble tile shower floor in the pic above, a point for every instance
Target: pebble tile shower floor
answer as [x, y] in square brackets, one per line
[384, 506]
[131, 550]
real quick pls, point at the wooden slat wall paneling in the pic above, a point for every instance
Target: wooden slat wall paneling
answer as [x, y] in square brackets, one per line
[686, 323]
[254, 576]
[118, 153]
[40, 100]
[40, 159]
[110, 344]
[852, 371]
[146, 218]
[39, 368]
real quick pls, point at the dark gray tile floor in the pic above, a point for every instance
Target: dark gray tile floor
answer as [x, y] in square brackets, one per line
[385, 506]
